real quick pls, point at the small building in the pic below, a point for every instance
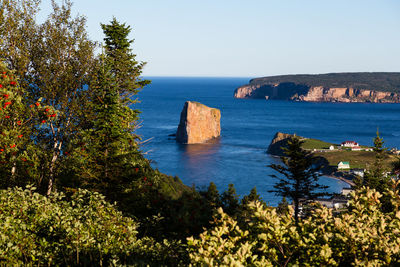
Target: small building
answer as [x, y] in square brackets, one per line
[359, 172]
[331, 148]
[347, 191]
[349, 144]
[356, 148]
[395, 151]
[343, 165]
[335, 202]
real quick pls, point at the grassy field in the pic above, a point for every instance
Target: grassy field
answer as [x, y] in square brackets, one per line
[316, 144]
[357, 159]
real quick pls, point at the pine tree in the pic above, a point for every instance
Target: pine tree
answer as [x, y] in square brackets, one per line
[124, 67]
[374, 178]
[212, 196]
[107, 148]
[252, 196]
[300, 175]
[283, 207]
[230, 200]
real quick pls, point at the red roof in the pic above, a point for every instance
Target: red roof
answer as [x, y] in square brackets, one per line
[350, 142]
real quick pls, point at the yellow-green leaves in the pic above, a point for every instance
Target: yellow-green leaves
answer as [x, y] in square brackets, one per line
[363, 235]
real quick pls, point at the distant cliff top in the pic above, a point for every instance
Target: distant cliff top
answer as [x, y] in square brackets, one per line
[379, 81]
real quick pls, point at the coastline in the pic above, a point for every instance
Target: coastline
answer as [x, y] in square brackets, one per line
[349, 182]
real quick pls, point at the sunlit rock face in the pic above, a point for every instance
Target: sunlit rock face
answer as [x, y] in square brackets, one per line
[198, 123]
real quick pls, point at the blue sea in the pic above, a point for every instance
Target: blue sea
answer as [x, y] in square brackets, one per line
[247, 127]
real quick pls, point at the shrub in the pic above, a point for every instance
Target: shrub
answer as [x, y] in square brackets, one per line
[363, 235]
[85, 230]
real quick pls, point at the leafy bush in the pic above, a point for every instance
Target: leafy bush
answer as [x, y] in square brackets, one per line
[363, 235]
[85, 230]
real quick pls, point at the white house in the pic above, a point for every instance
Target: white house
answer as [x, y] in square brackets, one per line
[359, 172]
[356, 148]
[347, 191]
[343, 165]
[349, 144]
[331, 148]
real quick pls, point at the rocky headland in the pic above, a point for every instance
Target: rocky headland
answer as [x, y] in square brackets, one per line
[198, 123]
[334, 87]
[278, 143]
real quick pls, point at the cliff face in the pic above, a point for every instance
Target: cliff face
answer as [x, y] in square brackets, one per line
[279, 141]
[198, 123]
[299, 92]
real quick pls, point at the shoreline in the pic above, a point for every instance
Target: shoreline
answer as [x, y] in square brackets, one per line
[349, 182]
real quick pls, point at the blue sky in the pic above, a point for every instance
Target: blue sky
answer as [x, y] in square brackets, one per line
[238, 38]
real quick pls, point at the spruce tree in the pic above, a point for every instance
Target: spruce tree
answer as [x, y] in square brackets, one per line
[107, 150]
[252, 196]
[300, 175]
[376, 177]
[125, 69]
[230, 200]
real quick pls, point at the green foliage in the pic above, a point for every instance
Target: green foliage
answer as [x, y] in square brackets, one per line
[380, 81]
[316, 144]
[300, 177]
[376, 176]
[124, 67]
[253, 196]
[82, 229]
[363, 235]
[17, 31]
[283, 206]
[230, 200]
[18, 152]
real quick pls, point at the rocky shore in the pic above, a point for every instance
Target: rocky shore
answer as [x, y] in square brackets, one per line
[348, 87]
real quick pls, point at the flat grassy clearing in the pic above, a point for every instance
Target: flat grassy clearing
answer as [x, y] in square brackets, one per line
[316, 144]
[357, 159]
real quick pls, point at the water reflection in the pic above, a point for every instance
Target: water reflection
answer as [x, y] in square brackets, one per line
[198, 159]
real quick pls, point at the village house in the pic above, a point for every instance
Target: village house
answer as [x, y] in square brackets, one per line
[356, 148]
[349, 144]
[359, 172]
[343, 165]
[331, 148]
[335, 202]
[347, 191]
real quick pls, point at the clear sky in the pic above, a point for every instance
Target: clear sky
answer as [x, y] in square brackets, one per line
[252, 38]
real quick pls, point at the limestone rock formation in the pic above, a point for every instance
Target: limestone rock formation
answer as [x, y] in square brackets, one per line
[334, 87]
[315, 94]
[279, 141]
[198, 123]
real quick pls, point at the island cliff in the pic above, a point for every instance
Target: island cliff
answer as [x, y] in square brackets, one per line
[335, 87]
[198, 123]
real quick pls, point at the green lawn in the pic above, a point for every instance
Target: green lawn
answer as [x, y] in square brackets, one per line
[357, 159]
[316, 144]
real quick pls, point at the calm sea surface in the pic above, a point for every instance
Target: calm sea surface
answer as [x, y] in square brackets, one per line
[248, 126]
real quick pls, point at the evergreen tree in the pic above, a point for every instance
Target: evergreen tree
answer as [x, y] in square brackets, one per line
[212, 196]
[376, 177]
[230, 200]
[283, 207]
[300, 175]
[107, 153]
[124, 67]
[252, 196]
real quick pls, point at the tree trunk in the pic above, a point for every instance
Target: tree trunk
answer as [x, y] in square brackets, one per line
[296, 211]
[56, 153]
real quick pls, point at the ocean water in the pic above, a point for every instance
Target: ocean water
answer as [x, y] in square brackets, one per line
[247, 127]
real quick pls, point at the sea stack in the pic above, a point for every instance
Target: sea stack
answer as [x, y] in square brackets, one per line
[198, 123]
[279, 142]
